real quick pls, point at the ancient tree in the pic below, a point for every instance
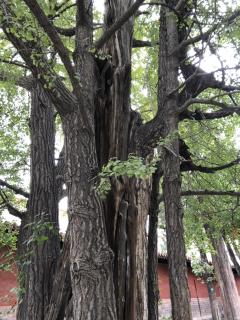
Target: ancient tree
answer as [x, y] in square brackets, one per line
[102, 270]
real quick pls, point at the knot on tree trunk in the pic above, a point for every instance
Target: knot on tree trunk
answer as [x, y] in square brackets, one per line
[92, 267]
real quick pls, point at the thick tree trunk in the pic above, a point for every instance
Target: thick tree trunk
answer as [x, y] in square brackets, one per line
[168, 103]
[224, 274]
[42, 251]
[90, 255]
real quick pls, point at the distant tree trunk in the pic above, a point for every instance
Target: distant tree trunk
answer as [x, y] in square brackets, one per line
[168, 114]
[153, 290]
[224, 274]
[41, 234]
[233, 257]
[216, 315]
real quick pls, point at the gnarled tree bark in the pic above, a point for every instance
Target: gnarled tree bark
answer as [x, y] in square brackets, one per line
[39, 230]
[168, 117]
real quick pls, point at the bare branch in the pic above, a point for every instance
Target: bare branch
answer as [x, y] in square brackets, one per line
[67, 32]
[190, 166]
[151, 4]
[210, 101]
[189, 193]
[209, 193]
[62, 9]
[17, 190]
[70, 32]
[142, 43]
[12, 210]
[201, 116]
[117, 25]
[13, 62]
[197, 80]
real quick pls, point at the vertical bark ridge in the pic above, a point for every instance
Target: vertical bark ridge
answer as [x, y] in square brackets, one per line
[126, 207]
[167, 112]
[153, 291]
[42, 250]
[90, 255]
[62, 291]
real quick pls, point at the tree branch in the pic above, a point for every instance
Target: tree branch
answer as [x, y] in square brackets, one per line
[70, 32]
[117, 25]
[12, 210]
[61, 97]
[14, 188]
[213, 102]
[201, 116]
[189, 193]
[205, 35]
[209, 193]
[67, 32]
[142, 43]
[48, 27]
[62, 10]
[15, 63]
[196, 81]
[190, 166]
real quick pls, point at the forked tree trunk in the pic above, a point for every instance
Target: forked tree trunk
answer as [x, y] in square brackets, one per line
[42, 242]
[168, 113]
[90, 255]
[127, 206]
[225, 277]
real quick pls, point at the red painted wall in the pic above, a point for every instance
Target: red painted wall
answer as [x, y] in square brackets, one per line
[196, 286]
[237, 279]
[163, 281]
[8, 281]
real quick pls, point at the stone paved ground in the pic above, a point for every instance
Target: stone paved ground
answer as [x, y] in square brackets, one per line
[7, 313]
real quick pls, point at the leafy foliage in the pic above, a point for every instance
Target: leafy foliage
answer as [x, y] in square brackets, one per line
[133, 167]
[8, 240]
